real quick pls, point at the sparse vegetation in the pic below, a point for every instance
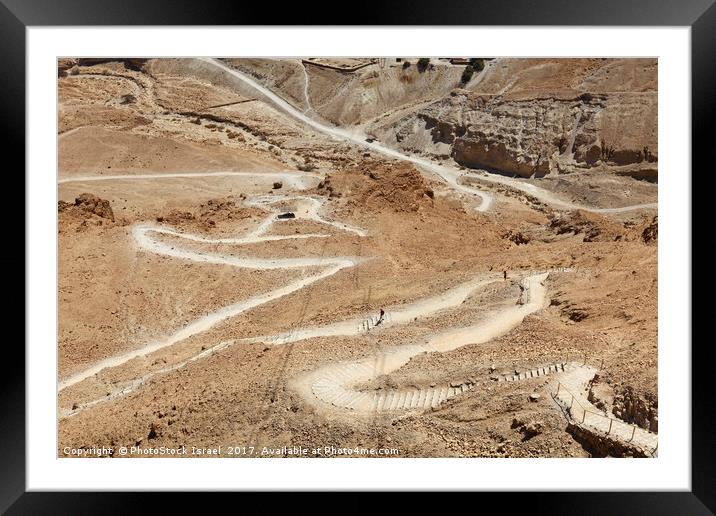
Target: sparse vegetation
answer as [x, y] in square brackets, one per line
[467, 74]
[477, 63]
[406, 65]
[423, 63]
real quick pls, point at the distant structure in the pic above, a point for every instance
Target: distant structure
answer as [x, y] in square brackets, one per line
[342, 65]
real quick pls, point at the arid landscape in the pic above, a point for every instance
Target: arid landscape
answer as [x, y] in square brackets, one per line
[325, 257]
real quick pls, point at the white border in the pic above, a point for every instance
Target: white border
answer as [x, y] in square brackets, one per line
[670, 471]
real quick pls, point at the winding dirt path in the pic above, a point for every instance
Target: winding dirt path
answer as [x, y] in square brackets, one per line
[306, 83]
[299, 181]
[145, 236]
[403, 314]
[548, 197]
[450, 175]
[332, 386]
[145, 240]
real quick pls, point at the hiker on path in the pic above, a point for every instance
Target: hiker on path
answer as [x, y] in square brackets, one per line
[380, 319]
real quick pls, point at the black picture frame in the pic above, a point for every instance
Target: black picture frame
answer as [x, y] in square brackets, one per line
[17, 15]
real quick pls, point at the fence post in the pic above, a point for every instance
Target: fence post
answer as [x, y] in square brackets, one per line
[633, 430]
[610, 426]
[584, 415]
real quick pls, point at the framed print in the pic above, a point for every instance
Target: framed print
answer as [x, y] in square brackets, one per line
[318, 257]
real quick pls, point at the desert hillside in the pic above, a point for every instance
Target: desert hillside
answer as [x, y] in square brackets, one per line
[359, 253]
[538, 117]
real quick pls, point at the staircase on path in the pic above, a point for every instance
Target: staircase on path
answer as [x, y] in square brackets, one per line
[373, 321]
[334, 388]
[571, 393]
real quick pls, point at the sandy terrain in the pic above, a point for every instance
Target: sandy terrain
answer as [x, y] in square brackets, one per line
[229, 233]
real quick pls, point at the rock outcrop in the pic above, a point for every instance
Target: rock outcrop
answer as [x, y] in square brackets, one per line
[638, 409]
[603, 445]
[64, 65]
[650, 233]
[530, 132]
[592, 226]
[86, 205]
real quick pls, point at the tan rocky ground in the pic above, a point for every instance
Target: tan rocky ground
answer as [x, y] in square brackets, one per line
[169, 124]
[540, 116]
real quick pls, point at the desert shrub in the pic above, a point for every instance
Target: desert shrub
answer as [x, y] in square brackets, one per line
[423, 63]
[406, 64]
[467, 74]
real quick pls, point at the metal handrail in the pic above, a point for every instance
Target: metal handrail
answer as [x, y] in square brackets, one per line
[585, 411]
[585, 360]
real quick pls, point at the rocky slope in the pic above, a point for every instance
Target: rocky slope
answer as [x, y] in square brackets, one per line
[349, 98]
[185, 115]
[509, 123]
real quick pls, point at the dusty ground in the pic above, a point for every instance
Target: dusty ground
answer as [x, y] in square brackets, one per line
[213, 388]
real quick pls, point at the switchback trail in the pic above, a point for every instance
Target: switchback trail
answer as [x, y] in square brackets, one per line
[404, 314]
[144, 236]
[332, 386]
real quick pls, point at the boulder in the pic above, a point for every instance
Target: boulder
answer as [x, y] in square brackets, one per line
[532, 429]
